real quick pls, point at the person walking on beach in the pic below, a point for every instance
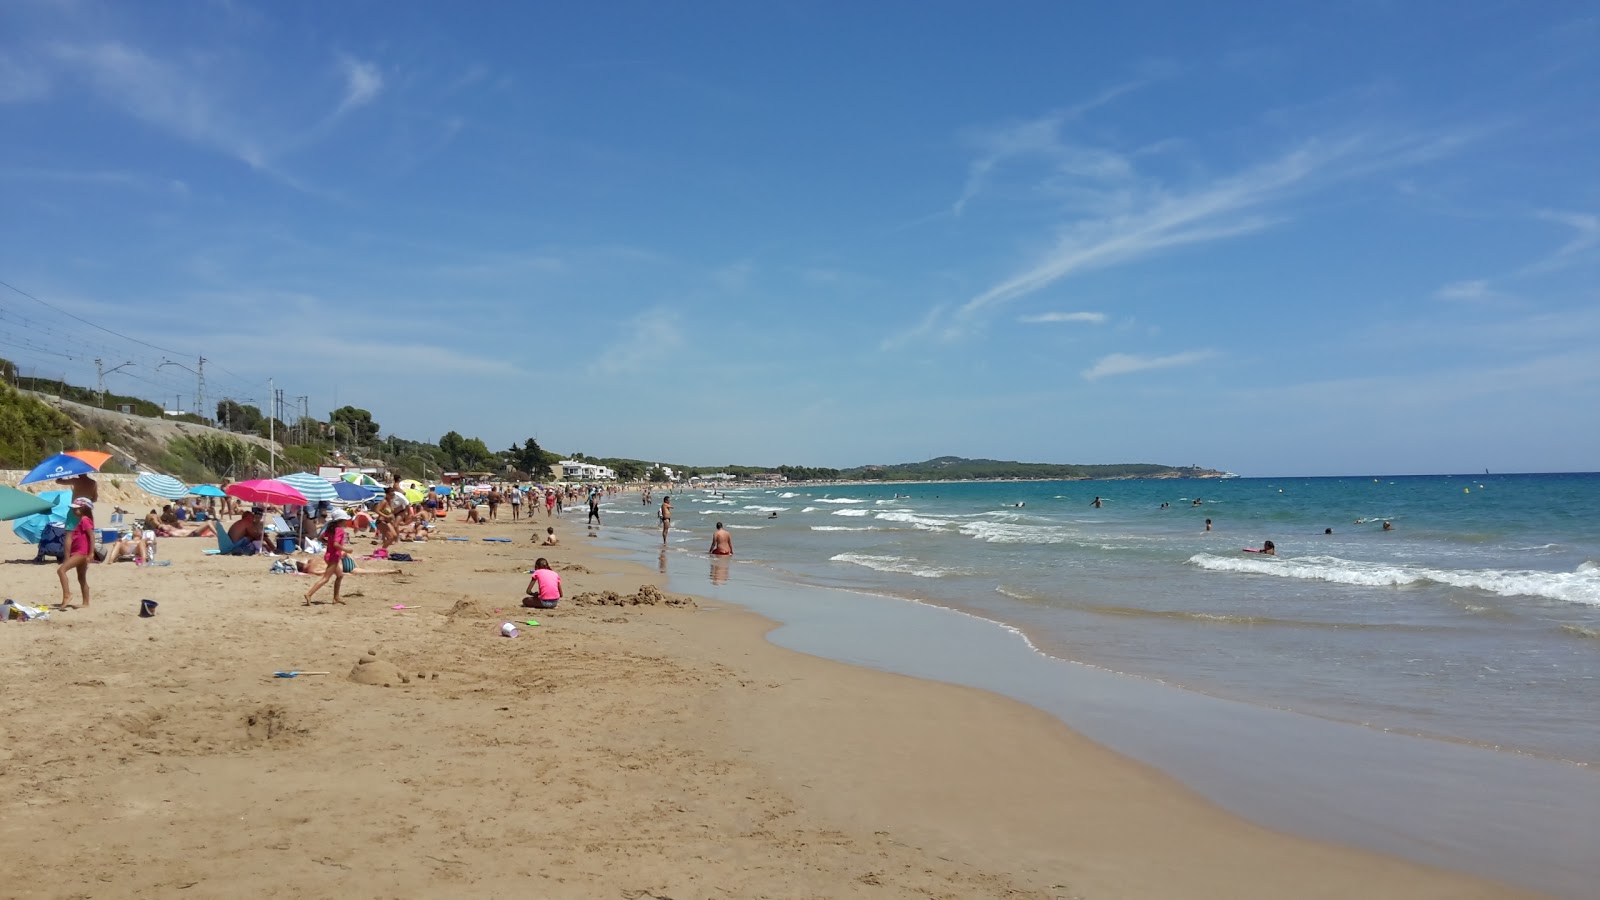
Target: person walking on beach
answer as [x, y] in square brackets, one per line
[665, 515]
[721, 542]
[544, 588]
[336, 556]
[594, 507]
[494, 504]
[516, 502]
[80, 552]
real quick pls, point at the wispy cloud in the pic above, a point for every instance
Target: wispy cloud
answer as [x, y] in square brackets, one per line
[161, 95]
[132, 180]
[1580, 248]
[362, 83]
[1475, 291]
[21, 82]
[1092, 318]
[188, 99]
[1128, 363]
[1041, 137]
[648, 340]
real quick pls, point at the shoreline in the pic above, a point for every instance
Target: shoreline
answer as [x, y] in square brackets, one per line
[677, 750]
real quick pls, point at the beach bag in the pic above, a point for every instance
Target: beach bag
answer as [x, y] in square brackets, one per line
[282, 566]
[400, 557]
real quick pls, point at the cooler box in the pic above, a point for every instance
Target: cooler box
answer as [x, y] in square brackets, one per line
[109, 535]
[286, 543]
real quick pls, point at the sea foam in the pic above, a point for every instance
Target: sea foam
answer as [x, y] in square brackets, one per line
[898, 564]
[1580, 586]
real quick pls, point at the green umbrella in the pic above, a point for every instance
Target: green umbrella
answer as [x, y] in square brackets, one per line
[15, 504]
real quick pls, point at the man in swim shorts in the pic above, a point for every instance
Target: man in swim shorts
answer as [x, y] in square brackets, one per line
[721, 542]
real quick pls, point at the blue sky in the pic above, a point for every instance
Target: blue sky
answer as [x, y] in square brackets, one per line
[1272, 238]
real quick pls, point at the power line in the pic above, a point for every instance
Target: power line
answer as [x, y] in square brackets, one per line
[87, 322]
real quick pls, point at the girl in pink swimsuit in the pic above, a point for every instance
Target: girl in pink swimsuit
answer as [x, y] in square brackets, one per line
[336, 539]
[80, 551]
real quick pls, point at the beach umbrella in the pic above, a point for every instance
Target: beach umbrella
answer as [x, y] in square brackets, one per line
[413, 495]
[265, 490]
[349, 492]
[442, 490]
[15, 504]
[207, 490]
[66, 465]
[314, 487]
[164, 486]
[362, 479]
[411, 484]
[31, 528]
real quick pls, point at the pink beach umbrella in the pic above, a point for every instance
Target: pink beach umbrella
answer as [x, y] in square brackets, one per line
[265, 490]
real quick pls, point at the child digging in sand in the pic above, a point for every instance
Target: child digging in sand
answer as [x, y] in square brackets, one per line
[338, 560]
[80, 552]
[544, 588]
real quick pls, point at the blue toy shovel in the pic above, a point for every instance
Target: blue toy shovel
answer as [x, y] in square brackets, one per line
[297, 674]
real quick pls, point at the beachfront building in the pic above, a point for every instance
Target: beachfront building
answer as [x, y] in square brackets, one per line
[573, 470]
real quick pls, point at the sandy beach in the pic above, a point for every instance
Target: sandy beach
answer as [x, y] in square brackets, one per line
[655, 750]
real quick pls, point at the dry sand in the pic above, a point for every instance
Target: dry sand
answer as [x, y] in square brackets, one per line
[635, 751]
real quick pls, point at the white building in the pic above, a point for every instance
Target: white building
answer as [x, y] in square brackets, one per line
[573, 470]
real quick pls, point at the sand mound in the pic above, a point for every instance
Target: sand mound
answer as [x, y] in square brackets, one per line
[647, 595]
[375, 670]
[468, 608]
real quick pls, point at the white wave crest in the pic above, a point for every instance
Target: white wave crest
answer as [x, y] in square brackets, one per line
[768, 508]
[850, 512]
[1580, 586]
[787, 494]
[1011, 533]
[809, 509]
[896, 564]
[843, 528]
[927, 523]
[840, 500]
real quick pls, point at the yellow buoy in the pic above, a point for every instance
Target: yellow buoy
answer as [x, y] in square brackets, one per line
[1466, 490]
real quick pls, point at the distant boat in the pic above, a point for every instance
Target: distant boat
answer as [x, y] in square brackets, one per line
[1485, 471]
[1227, 475]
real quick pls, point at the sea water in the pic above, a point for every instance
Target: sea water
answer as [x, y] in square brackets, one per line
[1475, 619]
[1427, 690]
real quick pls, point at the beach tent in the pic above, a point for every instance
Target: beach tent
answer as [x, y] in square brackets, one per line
[362, 479]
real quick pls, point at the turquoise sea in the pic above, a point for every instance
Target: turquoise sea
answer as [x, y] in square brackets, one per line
[1476, 619]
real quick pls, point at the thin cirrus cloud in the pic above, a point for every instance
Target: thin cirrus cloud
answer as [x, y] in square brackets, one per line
[1089, 318]
[1471, 291]
[186, 100]
[1128, 363]
[363, 82]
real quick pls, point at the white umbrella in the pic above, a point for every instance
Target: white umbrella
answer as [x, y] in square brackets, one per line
[163, 486]
[314, 487]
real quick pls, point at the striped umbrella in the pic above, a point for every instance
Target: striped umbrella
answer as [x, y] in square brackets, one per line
[163, 486]
[314, 487]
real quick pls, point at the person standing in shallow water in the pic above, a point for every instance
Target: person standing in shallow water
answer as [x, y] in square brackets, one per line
[665, 515]
[594, 507]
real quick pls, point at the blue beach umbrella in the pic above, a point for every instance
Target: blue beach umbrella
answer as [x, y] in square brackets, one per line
[207, 490]
[31, 528]
[315, 488]
[163, 486]
[349, 492]
[442, 490]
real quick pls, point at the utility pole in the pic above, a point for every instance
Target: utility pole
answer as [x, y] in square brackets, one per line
[200, 389]
[100, 373]
[302, 410]
[272, 445]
